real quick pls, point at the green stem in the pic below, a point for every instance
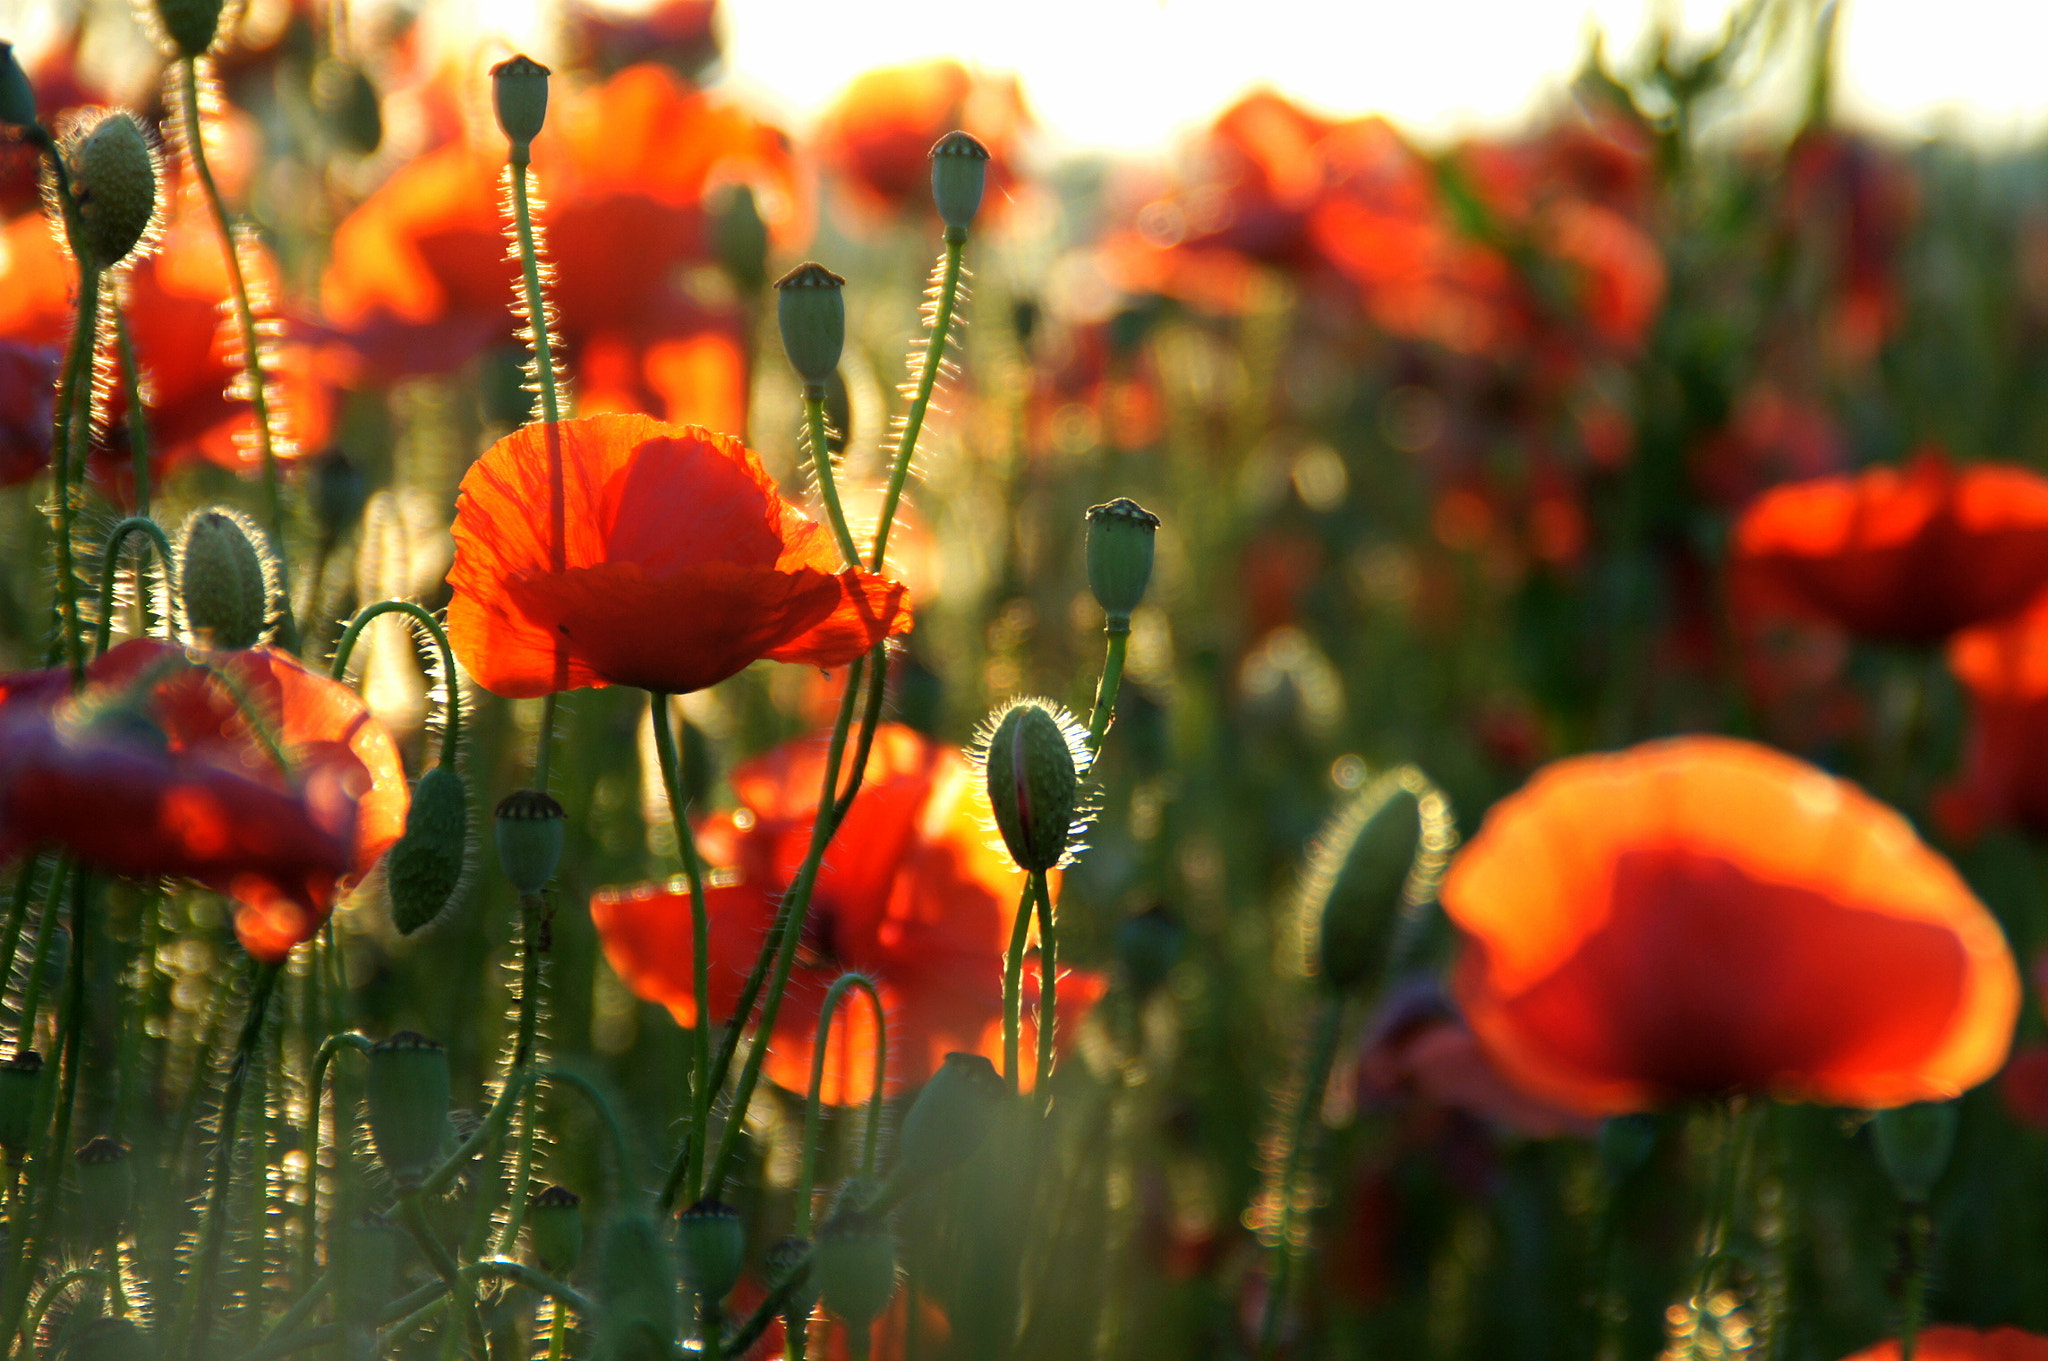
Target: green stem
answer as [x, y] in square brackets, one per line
[1322, 1052]
[766, 1312]
[807, 1177]
[1112, 681]
[700, 940]
[70, 463]
[414, 1216]
[1048, 981]
[615, 1135]
[821, 461]
[17, 914]
[110, 563]
[451, 730]
[323, 1056]
[1919, 1237]
[39, 957]
[1013, 985]
[877, 663]
[913, 421]
[47, 1296]
[138, 418]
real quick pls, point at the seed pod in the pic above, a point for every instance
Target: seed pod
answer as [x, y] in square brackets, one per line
[20, 1078]
[191, 25]
[1914, 1143]
[348, 104]
[1032, 765]
[713, 1244]
[739, 238]
[811, 307]
[1379, 857]
[114, 178]
[950, 1118]
[1148, 945]
[554, 1229]
[959, 174]
[1120, 534]
[854, 1267]
[17, 96]
[224, 575]
[519, 90]
[106, 1189]
[407, 1093]
[636, 1287]
[530, 833]
[427, 868]
[366, 1268]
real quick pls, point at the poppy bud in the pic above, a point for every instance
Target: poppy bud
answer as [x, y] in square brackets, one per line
[1913, 1143]
[366, 1268]
[519, 90]
[636, 1285]
[427, 868]
[17, 96]
[20, 1077]
[335, 486]
[348, 105]
[530, 831]
[853, 1266]
[959, 174]
[223, 579]
[713, 1244]
[113, 176]
[106, 1188]
[110, 1339]
[1034, 781]
[1148, 945]
[812, 311]
[1626, 1142]
[554, 1229]
[949, 1119]
[191, 25]
[1361, 878]
[740, 239]
[785, 1257]
[1120, 558]
[407, 1093]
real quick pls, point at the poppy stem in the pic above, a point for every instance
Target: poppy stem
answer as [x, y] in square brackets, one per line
[110, 563]
[808, 1175]
[17, 914]
[1919, 1239]
[138, 418]
[821, 461]
[74, 389]
[700, 937]
[946, 300]
[451, 728]
[1112, 682]
[39, 957]
[1013, 984]
[1048, 981]
[414, 1216]
[323, 1056]
[877, 663]
[1315, 1078]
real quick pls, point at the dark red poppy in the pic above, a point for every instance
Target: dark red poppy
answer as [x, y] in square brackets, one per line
[2005, 669]
[2023, 1085]
[879, 131]
[912, 893]
[1703, 916]
[242, 770]
[645, 554]
[1905, 555]
[1964, 1344]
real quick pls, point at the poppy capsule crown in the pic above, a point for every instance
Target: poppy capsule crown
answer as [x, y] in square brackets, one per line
[188, 27]
[519, 93]
[810, 306]
[959, 175]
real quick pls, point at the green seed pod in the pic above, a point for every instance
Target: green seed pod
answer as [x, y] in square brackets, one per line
[191, 25]
[366, 1268]
[348, 104]
[812, 310]
[739, 238]
[959, 174]
[1626, 1142]
[224, 579]
[110, 1339]
[636, 1289]
[427, 869]
[784, 1257]
[1914, 1143]
[530, 832]
[854, 1267]
[713, 1244]
[17, 96]
[1034, 782]
[554, 1229]
[21, 1076]
[950, 1118]
[114, 178]
[519, 90]
[106, 1189]
[1120, 534]
[1148, 945]
[407, 1094]
[1378, 858]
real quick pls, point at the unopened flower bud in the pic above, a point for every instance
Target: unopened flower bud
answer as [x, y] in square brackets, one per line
[853, 1267]
[223, 579]
[785, 1257]
[812, 310]
[426, 870]
[407, 1095]
[1914, 1143]
[554, 1229]
[21, 1076]
[1120, 536]
[740, 239]
[1034, 782]
[519, 90]
[348, 104]
[531, 831]
[713, 1245]
[110, 1339]
[1359, 880]
[17, 96]
[106, 1189]
[950, 1118]
[636, 1285]
[114, 178]
[1148, 945]
[959, 174]
[191, 25]
[337, 491]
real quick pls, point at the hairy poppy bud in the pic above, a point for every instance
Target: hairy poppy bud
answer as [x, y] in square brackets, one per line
[853, 1266]
[530, 832]
[114, 178]
[1360, 878]
[740, 239]
[636, 1284]
[1148, 945]
[554, 1229]
[1913, 1143]
[347, 101]
[20, 1077]
[713, 1244]
[1120, 558]
[519, 90]
[223, 579]
[106, 1189]
[812, 310]
[110, 1339]
[427, 869]
[191, 25]
[949, 1119]
[786, 1257]
[407, 1094]
[1033, 765]
[366, 1267]
[17, 96]
[337, 491]
[959, 174]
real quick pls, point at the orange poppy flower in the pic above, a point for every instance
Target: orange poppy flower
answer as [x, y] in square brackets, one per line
[879, 132]
[1704, 916]
[2005, 669]
[669, 562]
[912, 893]
[1964, 1344]
[1902, 555]
[156, 768]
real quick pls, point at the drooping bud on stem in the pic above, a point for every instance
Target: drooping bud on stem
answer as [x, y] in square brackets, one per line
[554, 1229]
[1914, 1143]
[1033, 764]
[114, 181]
[20, 1077]
[191, 25]
[1120, 534]
[1378, 859]
[713, 1245]
[853, 1266]
[428, 868]
[407, 1094]
[519, 91]
[17, 96]
[811, 308]
[948, 1121]
[959, 175]
[224, 578]
[530, 831]
[106, 1189]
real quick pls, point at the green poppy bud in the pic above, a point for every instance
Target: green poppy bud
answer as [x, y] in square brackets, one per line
[106, 1189]
[530, 832]
[636, 1286]
[110, 1339]
[1148, 945]
[949, 1119]
[959, 174]
[17, 96]
[812, 310]
[20, 1078]
[519, 90]
[191, 25]
[348, 105]
[853, 1266]
[337, 491]
[554, 1229]
[114, 179]
[1033, 764]
[224, 578]
[1365, 870]
[1120, 536]
[739, 238]
[1626, 1142]
[713, 1245]
[366, 1267]
[427, 869]
[407, 1094]
[786, 1257]
[1914, 1143]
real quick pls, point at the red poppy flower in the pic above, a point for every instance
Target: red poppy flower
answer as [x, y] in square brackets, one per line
[911, 892]
[1703, 916]
[1902, 555]
[28, 383]
[2005, 669]
[879, 132]
[670, 563]
[1964, 1344]
[157, 768]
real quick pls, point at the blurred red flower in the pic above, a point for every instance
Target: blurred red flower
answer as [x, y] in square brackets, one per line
[1900, 555]
[1964, 1344]
[2004, 667]
[911, 893]
[878, 133]
[28, 383]
[1850, 205]
[645, 554]
[1703, 916]
[2023, 1085]
[155, 767]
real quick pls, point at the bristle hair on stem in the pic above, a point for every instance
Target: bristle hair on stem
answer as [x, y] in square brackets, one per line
[529, 332]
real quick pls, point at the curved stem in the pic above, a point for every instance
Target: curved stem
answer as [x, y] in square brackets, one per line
[110, 563]
[414, 1216]
[1048, 980]
[1322, 1051]
[700, 940]
[323, 1056]
[1106, 691]
[615, 1132]
[807, 1177]
[1013, 985]
[47, 1296]
[451, 731]
[913, 421]
[821, 461]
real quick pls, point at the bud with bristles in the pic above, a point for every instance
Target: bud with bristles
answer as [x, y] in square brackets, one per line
[427, 869]
[1914, 1143]
[17, 96]
[636, 1285]
[519, 90]
[811, 308]
[959, 175]
[337, 491]
[407, 1095]
[1379, 859]
[114, 180]
[106, 1189]
[20, 1079]
[554, 1229]
[713, 1245]
[853, 1266]
[1120, 536]
[949, 1119]
[191, 25]
[530, 830]
[223, 579]
[1033, 759]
